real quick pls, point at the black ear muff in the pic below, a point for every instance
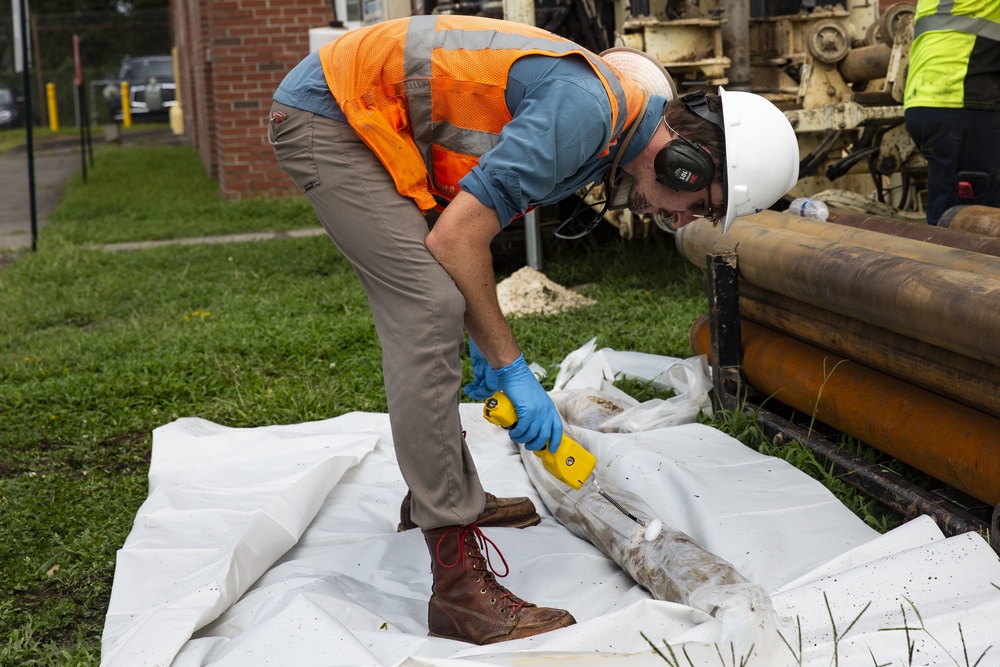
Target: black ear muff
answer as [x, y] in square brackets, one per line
[684, 165]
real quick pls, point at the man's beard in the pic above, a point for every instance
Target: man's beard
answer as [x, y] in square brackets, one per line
[637, 201]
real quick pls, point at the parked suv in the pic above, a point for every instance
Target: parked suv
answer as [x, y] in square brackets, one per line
[10, 108]
[151, 88]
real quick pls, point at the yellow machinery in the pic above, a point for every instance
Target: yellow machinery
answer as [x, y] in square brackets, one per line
[838, 73]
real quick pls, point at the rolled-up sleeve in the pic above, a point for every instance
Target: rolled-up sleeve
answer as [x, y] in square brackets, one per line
[552, 146]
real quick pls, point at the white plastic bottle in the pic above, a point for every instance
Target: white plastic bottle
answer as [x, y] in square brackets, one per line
[809, 208]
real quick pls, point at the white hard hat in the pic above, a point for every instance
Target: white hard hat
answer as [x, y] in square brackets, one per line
[643, 69]
[762, 154]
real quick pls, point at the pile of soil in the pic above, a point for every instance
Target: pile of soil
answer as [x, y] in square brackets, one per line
[529, 291]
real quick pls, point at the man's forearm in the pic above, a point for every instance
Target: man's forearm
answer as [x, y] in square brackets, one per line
[460, 242]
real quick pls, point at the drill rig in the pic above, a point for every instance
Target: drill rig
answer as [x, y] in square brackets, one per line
[837, 71]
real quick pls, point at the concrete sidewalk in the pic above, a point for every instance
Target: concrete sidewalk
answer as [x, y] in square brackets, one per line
[56, 161]
[54, 165]
[216, 240]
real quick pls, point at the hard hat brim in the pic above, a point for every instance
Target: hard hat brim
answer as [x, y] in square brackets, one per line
[762, 154]
[727, 203]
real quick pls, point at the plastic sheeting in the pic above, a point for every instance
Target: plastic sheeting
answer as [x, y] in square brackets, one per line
[278, 546]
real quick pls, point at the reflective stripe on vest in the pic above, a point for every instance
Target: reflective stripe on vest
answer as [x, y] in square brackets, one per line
[943, 18]
[424, 89]
[421, 40]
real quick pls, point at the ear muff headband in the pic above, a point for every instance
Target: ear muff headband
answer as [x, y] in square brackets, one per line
[683, 164]
[697, 103]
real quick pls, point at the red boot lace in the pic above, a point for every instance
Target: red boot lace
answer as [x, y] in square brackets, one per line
[472, 536]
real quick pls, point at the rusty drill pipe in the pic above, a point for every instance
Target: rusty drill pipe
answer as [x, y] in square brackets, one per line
[910, 248]
[984, 220]
[940, 235]
[865, 63]
[960, 378]
[949, 441]
[955, 310]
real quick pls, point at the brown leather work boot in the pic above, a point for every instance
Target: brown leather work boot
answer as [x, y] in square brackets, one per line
[468, 604]
[498, 513]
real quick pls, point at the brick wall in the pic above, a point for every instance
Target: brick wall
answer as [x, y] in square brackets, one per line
[232, 54]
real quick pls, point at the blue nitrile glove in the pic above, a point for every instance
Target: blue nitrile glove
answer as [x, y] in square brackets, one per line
[484, 382]
[538, 421]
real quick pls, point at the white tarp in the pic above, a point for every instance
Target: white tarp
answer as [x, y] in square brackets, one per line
[278, 546]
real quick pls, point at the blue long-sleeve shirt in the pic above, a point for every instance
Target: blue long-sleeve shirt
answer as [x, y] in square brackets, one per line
[561, 123]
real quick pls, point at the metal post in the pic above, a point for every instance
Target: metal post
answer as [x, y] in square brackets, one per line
[736, 42]
[523, 11]
[724, 320]
[86, 125]
[28, 120]
[37, 50]
[81, 119]
[81, 113]
[533, 240]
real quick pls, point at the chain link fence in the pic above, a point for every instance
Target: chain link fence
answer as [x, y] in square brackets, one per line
[105, 39]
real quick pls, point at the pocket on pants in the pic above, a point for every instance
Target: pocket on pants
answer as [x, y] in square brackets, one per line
[291, 138]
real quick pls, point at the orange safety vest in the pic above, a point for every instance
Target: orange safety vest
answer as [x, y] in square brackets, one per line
[426, 93]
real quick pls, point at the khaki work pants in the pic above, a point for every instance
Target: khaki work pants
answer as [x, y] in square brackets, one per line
[417, 308]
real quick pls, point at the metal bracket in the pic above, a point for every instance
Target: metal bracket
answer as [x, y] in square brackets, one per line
[724, 318]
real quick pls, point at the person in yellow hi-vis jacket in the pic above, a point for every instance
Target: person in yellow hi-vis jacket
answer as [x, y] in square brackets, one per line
[484, 119]
[952, 101]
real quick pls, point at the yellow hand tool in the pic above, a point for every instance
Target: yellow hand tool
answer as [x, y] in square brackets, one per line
[570, 464]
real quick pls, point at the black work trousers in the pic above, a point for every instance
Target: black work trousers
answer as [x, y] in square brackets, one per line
[962, 147]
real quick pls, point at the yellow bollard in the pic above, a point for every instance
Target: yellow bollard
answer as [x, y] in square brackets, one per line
[50, 96]
[176, 113]
[126, 106]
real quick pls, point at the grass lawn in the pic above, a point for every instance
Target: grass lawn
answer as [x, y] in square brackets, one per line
[97, 349]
